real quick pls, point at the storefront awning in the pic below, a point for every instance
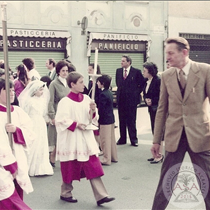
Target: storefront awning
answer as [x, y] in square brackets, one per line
[14, 32]
[115, 36]
[123, 37]
[36, 33]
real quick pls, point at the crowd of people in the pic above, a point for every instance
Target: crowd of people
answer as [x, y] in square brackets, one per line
[57, 118]
[50, 129]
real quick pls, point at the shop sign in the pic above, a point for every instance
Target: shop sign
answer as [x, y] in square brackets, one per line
[195, 36]
[36, 33]
[32, 43]
[119, 37]
[118, 46]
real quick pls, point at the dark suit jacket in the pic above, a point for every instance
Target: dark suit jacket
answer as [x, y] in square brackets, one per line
[153, 92]
[105, 108]
[53, 76]
[129, 89]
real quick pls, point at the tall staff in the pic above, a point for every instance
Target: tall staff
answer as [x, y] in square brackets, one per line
[94, 76]
[6, 65]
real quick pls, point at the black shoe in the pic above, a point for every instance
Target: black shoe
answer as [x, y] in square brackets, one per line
[135, 144]
[157, 161]
[120, 143]
[150, 159]
[69, 199]
[105, 200]
[52, 164]
[104, 164]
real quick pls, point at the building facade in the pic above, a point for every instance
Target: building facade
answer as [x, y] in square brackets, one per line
[73, 29]
[191, 20]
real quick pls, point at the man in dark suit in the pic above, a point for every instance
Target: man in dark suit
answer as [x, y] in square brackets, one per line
[130, 83]
[50, 64]
[184, 112]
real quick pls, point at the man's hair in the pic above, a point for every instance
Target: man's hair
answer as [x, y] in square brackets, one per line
[105, 80]
[181, 43]
[29, 63]
[151, 67]
[128, 58]
[3, 84]
[60, 65]
[73, 77]
[52, 61]
[98, 68]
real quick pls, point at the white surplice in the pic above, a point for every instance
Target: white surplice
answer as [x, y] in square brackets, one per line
[77, 144]
[8, 156]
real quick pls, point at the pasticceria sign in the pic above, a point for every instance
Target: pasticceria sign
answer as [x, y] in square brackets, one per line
[34, 43]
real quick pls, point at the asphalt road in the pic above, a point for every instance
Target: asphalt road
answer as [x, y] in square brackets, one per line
[132, 181]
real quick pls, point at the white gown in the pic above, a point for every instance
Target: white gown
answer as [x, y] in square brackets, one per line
[38, 158]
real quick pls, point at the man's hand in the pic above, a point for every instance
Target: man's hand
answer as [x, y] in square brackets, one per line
[148, 101]
[81, 126]
[155, 149]
[10, 128]
[93, 106]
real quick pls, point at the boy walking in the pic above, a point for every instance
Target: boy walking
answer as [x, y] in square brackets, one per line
[77, 149]
[106, 121]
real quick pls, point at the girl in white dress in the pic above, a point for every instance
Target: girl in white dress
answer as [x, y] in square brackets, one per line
[34, 100]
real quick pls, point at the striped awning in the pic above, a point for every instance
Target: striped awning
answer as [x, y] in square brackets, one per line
[36, 33]
[15, 32]
[116, 36]
[120, 37]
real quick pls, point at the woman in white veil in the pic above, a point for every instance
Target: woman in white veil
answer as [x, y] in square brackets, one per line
[34, 101]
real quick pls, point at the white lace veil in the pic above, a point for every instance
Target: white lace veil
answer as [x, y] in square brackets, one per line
[29, 92]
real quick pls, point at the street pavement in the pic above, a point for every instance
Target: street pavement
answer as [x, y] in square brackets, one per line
[132, 181]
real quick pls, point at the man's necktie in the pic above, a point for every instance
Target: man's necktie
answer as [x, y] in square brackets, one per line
[125, 74]
[49, 73]
[182, 79]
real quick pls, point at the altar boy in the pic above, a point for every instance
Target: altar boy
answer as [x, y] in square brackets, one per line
[77, 149]
[14, 177]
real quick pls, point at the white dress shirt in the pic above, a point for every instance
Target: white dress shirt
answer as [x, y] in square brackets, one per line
[148, 84]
